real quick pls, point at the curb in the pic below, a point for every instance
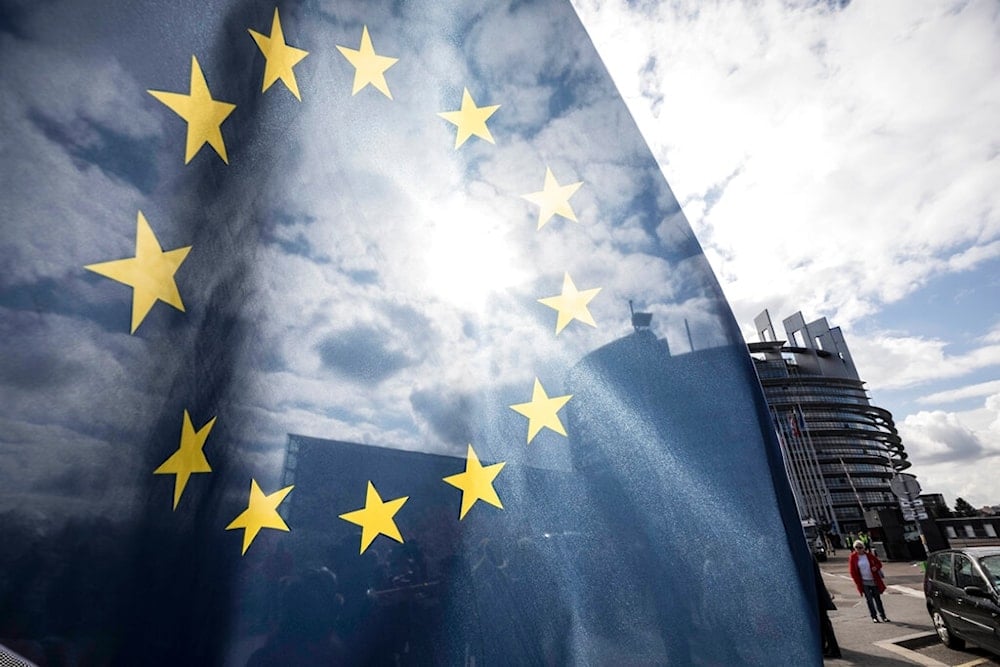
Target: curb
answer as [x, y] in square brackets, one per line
[896, 645]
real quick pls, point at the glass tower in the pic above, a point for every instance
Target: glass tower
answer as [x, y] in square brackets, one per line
[840, 451]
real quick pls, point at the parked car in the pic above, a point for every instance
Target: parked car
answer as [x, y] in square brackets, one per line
[962, 589]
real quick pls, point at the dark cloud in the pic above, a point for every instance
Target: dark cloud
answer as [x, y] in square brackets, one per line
[92, 143]
[35, 369]
[938, 437]
[448, 414]
[64, 296]
[13, 17]
[363, 354]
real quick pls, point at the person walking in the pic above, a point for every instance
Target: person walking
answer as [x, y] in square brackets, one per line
[866, 571]
[819, 546]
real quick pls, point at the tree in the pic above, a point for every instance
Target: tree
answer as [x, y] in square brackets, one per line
[940, 511]
[963, 508]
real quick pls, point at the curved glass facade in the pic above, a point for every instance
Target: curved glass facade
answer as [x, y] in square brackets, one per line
[840, 450]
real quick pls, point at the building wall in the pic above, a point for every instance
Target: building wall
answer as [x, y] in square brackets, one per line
[840, 450]
[974, 531]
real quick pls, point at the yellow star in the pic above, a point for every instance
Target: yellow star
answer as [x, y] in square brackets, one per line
[189, 457]
[553, 199]
[571, 304]
[376, 517]
[281, 57]
[476, 483]
[150, 273]
[369, 67]
[204, 115]
[261, 512]
[541, 411]
[470, 119]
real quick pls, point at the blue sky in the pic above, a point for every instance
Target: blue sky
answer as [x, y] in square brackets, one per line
[842, 159]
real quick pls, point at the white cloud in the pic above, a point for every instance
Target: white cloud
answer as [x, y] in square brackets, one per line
[993, 336]
[956, 451]
[971, 391]
[829, 160]
[939, 436]
[447, 236]
[50, 218]
[778, 184]
[975, 483]
[892, 361]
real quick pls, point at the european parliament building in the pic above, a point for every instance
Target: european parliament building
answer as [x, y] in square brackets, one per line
[840, 451]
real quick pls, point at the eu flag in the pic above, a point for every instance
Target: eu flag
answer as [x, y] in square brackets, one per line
[365, 333]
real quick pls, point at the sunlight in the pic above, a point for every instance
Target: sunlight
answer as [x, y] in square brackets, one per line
[468, 256]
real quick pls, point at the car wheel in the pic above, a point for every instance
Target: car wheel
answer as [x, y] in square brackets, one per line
[944, 633]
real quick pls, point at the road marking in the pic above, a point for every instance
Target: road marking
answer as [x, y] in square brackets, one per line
[906, 590]
[892, 646]
[977, 661]
[899, 588]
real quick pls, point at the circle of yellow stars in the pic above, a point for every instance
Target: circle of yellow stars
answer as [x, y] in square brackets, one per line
[151, 275]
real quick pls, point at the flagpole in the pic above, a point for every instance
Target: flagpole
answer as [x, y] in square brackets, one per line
[819, 470]
[805, 506]
[810, 492]
[786, 456]
[853, 488]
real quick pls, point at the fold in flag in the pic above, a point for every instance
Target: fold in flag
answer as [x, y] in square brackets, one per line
[360, 386]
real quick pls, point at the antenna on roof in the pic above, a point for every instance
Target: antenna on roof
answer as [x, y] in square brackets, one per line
[639, 320]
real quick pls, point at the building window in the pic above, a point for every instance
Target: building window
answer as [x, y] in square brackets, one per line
[969, 530]
[990, 530]
[950, 532]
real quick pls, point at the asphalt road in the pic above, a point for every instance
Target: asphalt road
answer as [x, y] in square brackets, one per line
[909, 638]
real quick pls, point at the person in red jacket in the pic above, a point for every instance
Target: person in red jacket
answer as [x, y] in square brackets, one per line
[866, 571]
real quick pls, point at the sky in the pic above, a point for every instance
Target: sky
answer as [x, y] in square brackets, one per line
[392, 264]
[409, 225]
[358, 270]
[841, 159]
[384, 282]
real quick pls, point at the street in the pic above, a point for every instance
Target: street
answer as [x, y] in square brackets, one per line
[909, 638]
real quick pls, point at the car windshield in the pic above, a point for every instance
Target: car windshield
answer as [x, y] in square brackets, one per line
[991, 566]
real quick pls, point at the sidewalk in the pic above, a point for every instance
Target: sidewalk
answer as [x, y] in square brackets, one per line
[875, 644]
[897, 573]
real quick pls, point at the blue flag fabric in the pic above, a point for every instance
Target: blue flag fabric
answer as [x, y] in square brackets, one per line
[319, 347]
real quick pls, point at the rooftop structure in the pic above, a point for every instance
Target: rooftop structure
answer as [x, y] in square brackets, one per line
[840, 450]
